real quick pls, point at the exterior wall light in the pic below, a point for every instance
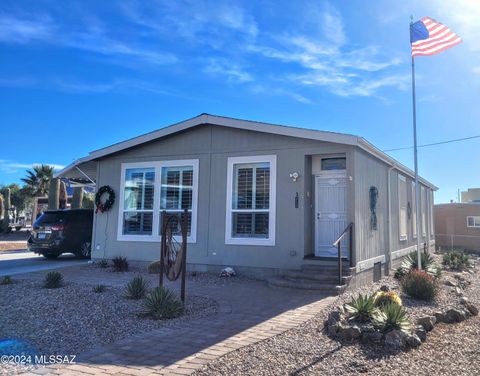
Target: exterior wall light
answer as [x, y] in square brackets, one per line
[294, 176]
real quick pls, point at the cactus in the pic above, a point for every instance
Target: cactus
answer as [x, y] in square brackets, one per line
[62, 196]
[77, 198]
[54, 194]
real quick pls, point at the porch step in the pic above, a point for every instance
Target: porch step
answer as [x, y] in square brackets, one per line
[327, 277]
[327, 268]
[302, 284]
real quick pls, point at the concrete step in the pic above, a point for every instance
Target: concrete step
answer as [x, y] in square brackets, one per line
[327, 269]
[329, 288]
[314, 275]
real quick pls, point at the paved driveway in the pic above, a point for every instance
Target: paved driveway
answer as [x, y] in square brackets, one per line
[18, 262]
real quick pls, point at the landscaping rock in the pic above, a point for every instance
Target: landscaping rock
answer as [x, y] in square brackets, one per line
[427, 322]
[421, 332]
[385, 288]
[413, 340]
[396, 339]
[375, 336]
[464, 300]
[334, 317]
[472, 309]
[452, 315]
[458, 291]
[349, 332]
[227, 272]
[450, 282]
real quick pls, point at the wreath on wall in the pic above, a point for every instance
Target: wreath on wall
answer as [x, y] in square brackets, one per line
[103, 206]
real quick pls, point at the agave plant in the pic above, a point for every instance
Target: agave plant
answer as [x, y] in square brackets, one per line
[390, 317]
[162, 304]
[136, 288]
[428, 263]
[361, 308]
[53, 280]
[456, 261]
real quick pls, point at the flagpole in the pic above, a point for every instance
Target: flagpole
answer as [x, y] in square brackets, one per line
[415, 157]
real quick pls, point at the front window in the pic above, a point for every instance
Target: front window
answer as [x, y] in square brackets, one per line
[177, 193]
[138, 201]
[250, 200]
[473, 221]
[148, 189]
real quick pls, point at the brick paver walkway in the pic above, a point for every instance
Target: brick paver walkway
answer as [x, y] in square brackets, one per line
[249, 312]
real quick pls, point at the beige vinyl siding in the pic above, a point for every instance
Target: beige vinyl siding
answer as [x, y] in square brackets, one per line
[370, 172]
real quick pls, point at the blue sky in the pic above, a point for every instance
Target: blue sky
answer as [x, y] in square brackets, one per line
[79, 75]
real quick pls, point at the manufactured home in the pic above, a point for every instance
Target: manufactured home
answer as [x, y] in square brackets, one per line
[268, 200]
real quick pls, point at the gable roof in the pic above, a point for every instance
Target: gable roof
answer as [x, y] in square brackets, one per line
[76, 169]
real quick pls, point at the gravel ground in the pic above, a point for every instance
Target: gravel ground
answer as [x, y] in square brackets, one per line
[449, 350]
[73, 318]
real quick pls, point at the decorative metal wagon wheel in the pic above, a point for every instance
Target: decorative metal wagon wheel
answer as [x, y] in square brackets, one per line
[173, 251]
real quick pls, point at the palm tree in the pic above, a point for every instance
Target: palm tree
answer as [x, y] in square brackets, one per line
[38, 179]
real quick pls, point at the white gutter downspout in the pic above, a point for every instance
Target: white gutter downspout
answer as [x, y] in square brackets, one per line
[389, 199]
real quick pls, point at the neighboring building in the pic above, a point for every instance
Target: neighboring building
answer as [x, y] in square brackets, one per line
[457, 226]
[471, 195]
[263, 198]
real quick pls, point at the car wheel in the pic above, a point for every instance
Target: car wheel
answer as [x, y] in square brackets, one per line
[50, 256]
[85, 250]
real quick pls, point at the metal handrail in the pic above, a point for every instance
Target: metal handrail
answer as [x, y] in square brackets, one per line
[338, 244]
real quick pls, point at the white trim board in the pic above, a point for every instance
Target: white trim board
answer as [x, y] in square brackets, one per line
[368, 264]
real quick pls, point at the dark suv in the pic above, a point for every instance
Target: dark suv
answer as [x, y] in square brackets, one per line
[62, 231]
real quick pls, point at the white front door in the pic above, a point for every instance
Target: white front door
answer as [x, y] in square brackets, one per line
[330, 212]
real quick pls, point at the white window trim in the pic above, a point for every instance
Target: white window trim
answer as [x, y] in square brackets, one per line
[270, 241]
[401, 236]
[423, 210]
[158, 165]
[472, 216]
[414, 212]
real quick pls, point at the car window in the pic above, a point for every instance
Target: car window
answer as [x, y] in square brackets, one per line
[50, 218]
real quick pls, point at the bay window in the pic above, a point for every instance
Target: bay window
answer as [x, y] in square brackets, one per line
[251, 200]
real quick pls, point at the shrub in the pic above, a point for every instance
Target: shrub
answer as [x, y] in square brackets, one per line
[399, 273]
[136, 288]
[361, 308]
[392, 316]
[161, 304]
[98, 289]
[428, 263]
[154, 267]
[103, 263]
[382, 298]
[456, 260]
[53, 280]
[7, 280]
[120, 264]
[419, 285]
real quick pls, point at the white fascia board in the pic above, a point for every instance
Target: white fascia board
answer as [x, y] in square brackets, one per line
[371, 149]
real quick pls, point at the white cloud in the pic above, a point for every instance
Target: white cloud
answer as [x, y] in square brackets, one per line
[225, 68]
[11, 167]
[93, 39]
[15, 30]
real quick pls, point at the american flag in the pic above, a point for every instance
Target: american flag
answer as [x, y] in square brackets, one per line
[429, 37]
